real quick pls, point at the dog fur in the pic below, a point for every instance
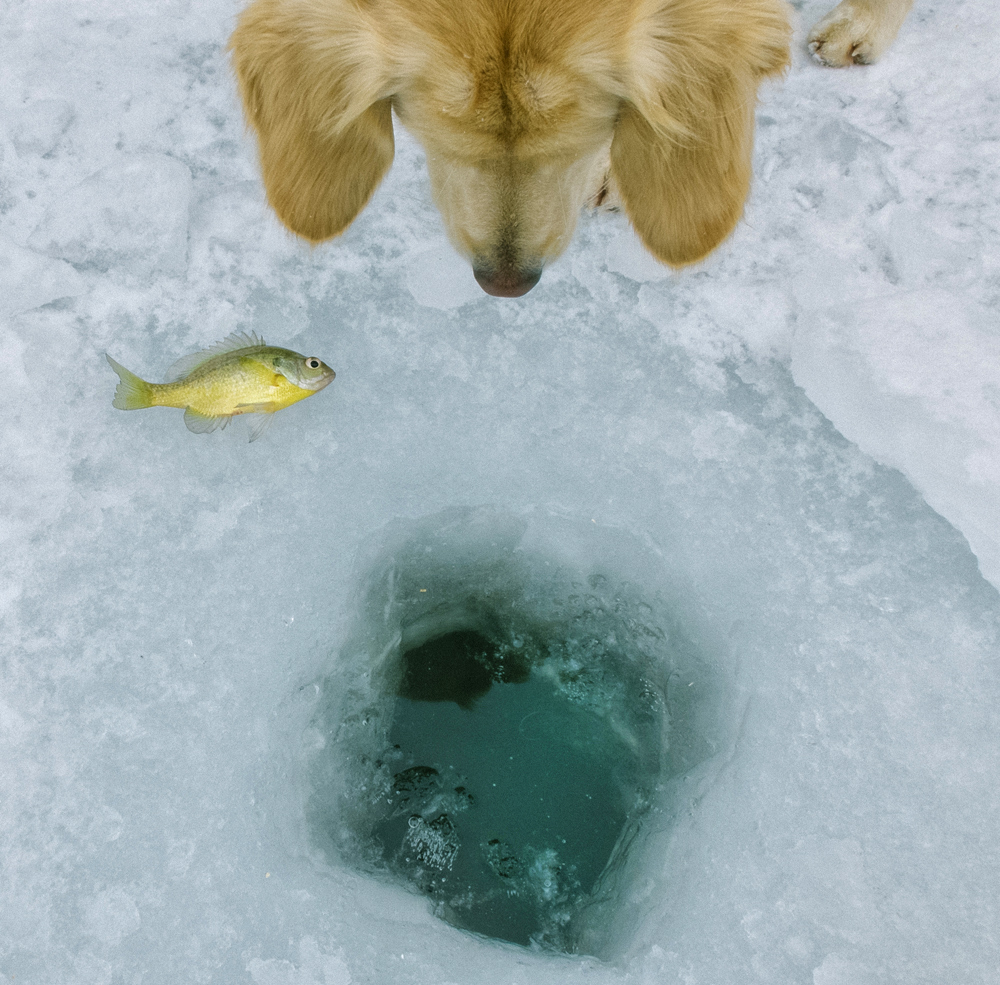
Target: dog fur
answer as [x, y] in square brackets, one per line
[528, 109]
[857, 31]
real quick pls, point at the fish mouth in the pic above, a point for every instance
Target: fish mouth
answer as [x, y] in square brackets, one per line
[317, 385]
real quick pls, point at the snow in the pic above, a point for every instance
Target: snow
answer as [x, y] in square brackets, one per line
[132, 216]
[791, 451]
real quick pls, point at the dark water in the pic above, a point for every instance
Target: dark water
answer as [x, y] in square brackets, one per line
[507, 796]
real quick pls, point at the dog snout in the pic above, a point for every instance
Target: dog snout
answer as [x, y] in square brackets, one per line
[506, 283]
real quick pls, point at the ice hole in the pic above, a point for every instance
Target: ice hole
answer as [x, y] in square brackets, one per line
[507, 793]
[496, 733]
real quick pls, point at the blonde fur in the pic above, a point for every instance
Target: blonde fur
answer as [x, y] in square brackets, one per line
[857, 31]
[528, 109]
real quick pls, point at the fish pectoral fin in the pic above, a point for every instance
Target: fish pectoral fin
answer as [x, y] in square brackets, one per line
[202, 423]
[260, 424]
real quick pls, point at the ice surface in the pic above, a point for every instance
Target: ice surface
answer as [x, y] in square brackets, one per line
[38, 127]
[169, 601]
[936, 419]
[132, 216]
[29, 280]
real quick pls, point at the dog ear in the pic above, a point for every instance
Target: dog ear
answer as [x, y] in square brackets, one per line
[314, 86]
[680, 155]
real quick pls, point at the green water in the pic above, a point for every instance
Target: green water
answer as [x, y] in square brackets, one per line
[507, 796]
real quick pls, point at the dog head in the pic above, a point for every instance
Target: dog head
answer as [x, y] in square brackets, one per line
[525, 109]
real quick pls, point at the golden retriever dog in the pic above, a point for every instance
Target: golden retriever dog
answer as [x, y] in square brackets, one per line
[527, 109]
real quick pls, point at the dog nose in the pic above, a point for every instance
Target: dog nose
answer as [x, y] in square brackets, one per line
[507, 283]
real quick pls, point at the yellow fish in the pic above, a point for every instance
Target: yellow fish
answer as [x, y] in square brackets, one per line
[239, 375]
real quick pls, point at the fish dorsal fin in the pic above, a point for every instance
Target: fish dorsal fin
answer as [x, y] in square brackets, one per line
[188, 364]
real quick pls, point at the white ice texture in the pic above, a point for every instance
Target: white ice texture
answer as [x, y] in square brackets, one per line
[789, 449]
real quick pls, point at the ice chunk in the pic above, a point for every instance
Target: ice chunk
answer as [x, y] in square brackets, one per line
[130, 216]
[413, 788]
[29, 279]
[627, 256]
[434, 843]
[936, 419]
[111, 915]
[39, 126]
[313, 968]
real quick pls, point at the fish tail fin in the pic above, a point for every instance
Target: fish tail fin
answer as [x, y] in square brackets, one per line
[132, 393]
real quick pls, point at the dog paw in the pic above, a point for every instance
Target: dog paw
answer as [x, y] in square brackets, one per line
[857, 31]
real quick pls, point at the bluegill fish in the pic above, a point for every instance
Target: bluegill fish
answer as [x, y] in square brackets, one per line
[239, 375]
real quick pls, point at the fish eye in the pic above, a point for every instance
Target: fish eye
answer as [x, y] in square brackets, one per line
[313, 363]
